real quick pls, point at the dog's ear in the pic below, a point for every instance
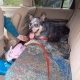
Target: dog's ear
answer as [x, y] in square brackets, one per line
[30, 17]
[43, 16]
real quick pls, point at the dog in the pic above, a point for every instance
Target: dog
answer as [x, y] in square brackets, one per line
[43, 27]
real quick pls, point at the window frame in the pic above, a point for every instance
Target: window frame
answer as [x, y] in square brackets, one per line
[62, 5]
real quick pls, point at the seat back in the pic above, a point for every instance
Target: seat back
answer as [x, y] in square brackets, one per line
[74, 41]
[18, 17]
[74, 25]
[53, 13]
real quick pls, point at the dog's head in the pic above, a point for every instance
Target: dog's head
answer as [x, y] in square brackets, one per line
[35, 23]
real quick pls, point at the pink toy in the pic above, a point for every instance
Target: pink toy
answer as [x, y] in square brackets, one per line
[15, 52]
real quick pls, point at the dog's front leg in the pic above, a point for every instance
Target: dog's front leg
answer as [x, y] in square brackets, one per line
[31, 41]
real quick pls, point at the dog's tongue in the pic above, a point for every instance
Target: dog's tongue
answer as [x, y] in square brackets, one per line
[31, 36]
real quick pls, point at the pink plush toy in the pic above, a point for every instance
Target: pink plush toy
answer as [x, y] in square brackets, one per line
[15, 52]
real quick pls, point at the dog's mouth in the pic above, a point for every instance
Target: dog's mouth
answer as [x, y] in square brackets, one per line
[34, 30]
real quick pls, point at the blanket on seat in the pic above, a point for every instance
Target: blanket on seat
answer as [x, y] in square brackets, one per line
[31, 65]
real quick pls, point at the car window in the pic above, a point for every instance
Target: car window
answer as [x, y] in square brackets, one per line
[1, 2]
[54, 3]
[11, 3]
[67, 3]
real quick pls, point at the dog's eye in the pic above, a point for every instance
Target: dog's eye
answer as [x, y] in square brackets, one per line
[36, 25]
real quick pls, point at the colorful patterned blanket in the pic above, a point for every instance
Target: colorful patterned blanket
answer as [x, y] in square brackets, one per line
[32, 64]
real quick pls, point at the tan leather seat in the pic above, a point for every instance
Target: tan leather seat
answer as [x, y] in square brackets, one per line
[1, 28]
[74, 41]
[54, 13]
